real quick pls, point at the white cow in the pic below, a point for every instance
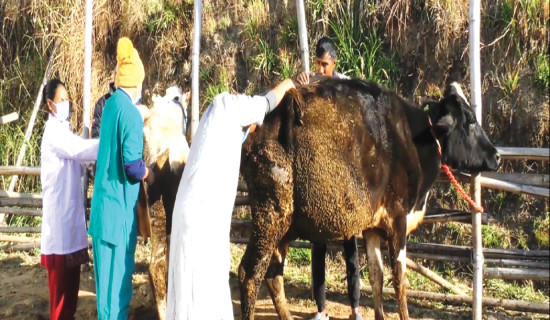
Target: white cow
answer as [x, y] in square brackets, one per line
[164, 128]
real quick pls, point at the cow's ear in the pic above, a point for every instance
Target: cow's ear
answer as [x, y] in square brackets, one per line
[445, 124]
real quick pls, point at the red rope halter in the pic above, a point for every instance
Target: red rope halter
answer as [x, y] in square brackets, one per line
[447, 170]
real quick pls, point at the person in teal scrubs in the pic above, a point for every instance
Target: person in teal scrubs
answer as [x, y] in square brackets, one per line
[120, 168]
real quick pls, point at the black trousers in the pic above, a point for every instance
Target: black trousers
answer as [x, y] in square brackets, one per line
[318, 253]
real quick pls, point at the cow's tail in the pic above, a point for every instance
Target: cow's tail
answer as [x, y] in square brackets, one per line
[294, 102]
[291, 111]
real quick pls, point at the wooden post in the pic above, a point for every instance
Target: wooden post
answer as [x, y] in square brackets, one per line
[524, 153]
[195, 64]
[302, 34]
[87, 87]
[475, 85]
[9, 118]
[514, 305]
[434, 277]
[538, 274]
[25, 171]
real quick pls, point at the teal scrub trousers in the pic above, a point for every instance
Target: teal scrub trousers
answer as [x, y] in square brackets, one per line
[113, 269]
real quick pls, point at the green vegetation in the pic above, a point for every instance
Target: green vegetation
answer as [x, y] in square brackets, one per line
[287, 66]
[542, 73]
[541, 227]
[513, 290]
[161, 16]
[257, 17]
[360, 52]
[299, 256]
[220, 85]
[289, 33]
[265, 60]
[495, 236]
[511, 81]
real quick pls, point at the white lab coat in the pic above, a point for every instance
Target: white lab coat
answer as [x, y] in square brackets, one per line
[198, 276]
[63, 220]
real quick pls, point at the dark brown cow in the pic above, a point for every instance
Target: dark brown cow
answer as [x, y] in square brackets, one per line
[340, 157]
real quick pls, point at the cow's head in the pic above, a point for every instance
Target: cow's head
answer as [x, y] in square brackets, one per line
[464, 144]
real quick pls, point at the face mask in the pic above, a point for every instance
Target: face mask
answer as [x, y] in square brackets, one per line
[62, 110]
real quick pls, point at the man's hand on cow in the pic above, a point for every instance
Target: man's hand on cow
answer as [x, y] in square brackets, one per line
[149, 176]
[281, 88]
[303, 78]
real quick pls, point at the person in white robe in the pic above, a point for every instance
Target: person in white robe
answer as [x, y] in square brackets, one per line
[198, 275]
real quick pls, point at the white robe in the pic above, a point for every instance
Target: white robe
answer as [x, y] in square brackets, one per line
[63, 218]
[198, 275]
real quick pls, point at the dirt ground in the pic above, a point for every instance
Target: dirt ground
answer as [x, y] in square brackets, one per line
[24, 296]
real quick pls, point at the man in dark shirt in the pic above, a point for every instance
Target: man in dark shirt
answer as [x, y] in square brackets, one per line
[98, 111]
[325, 62]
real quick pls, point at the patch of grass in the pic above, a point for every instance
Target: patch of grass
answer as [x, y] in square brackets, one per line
[237, 252]
[287, 65]
[161, 15]
[225, 23]
[510, 81]
[213, 89]
[419, 282]
[257, 14]
[533, 9]
[541, 228]
[521, 239]
[507, 12]
[289, 33]
[499, 288]
[360, 54]
[298, 274]
[317, 7]
[542, 72]
[299, 256]
[266, 59]
[495, 236]
[433, 92]
[456, 230]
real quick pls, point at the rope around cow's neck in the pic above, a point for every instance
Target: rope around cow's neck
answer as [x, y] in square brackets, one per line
[447, 170]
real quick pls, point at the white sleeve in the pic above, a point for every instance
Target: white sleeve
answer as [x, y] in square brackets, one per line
[76, 148]
[248, 110]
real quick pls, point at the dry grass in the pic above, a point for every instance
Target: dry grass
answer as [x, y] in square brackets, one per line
[450, 20]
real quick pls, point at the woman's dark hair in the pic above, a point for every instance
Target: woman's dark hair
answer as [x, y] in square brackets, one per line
[49, 90]
[324, 46]
[49, 93]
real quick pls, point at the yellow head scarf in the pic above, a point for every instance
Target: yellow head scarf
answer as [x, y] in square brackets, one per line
[129, 73]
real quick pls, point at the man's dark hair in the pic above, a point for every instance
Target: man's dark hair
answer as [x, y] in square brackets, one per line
[324, 46]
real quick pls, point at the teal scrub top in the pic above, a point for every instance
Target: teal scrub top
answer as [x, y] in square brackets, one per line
[114, 199]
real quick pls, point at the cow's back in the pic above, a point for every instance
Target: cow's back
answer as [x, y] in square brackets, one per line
[341, 139]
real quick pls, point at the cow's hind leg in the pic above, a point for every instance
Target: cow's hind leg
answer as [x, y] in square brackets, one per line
[376, 274]
[398, 257]
[275, 282]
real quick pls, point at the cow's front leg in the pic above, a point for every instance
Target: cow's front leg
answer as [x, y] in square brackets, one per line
[266, 235]
[252, 270]
[398, 256]
[376, 274]
[275, 281]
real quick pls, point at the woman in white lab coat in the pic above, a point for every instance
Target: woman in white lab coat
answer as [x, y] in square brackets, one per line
[198, 276]
[64, 245]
